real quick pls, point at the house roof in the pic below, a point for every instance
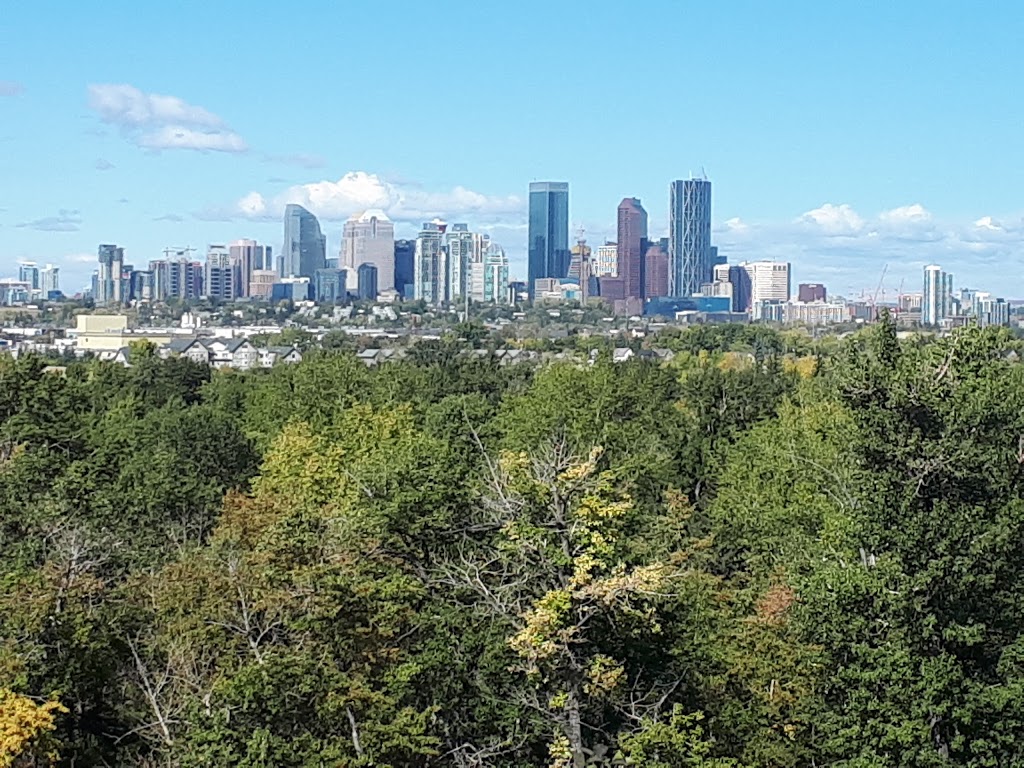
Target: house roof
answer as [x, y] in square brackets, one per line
[183, 345]
[235, 344]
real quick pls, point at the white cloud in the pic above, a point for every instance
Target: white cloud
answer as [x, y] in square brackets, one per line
[915, 214]
[848, 251]
[103, 164]
[177, 137]
[834, 219]
[987, 222]
[735, 225]
[358, 190]
[11, 88]
[155, 121]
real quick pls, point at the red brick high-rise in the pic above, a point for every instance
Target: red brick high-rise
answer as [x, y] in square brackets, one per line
[631, 243]
[655, 272]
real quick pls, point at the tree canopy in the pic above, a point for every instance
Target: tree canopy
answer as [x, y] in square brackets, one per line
[770, 552]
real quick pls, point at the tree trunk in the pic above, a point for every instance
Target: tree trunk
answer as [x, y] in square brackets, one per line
[574, 730]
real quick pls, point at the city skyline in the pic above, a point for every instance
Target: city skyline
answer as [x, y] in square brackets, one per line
[850, 165]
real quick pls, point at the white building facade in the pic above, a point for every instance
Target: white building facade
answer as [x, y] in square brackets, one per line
[369, 238]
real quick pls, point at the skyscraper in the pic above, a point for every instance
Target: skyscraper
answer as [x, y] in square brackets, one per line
[632, 238]
[405, 266]
[28, 273]
[690, 255]
[369, 238]
[305, 247]
[655, 272]
[367, 281]
[606, 263]
[249, 256]
[495, 274]
[222, 277]
[936, 303]
[769, 282]
[49, 280]
[329, 286]
[548, 242]
[431, 278]
[108, 279]
[459, 245]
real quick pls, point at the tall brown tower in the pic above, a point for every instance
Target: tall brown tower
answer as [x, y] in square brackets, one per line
[632, 241]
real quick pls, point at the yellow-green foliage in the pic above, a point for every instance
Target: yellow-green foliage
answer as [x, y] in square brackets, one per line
[25, 729]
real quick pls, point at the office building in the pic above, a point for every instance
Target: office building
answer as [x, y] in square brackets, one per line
[612, 288]
[989, 310]
[691, 259]
[108, 278]
[184, 279]
[28, 273]
[159, 270]
[807, 292]
[769, 284]
[222, 276]
[937, 298]
[739, 278]
[405, 267]
[459, 245]
[632, 240]
[261, 283]
[606, 260]
[431, 276]
[495, 274]
[655, 272]
[49, 281]
[367, 282]
[488, 273]
[548, 235]
[292, 289]
[140, 285]
[769, 280]
[249, 256]
[330, 286]
[305, 247]
[817, 312]
[369, 238]
[581, 267]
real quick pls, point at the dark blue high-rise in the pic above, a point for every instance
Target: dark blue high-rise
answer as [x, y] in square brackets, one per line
[548, 231]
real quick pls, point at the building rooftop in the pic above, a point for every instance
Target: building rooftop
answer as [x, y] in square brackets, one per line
[370, 213]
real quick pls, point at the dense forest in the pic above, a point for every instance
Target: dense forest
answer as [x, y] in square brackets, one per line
[750, 556]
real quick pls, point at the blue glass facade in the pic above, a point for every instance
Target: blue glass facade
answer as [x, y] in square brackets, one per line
[305, 247]
[405, 266]
[548, 231]
[691, 261]
[367, 276]
[329, 286]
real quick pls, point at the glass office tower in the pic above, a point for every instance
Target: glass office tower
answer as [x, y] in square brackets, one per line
[305, 247]
[548, 231]
[690, 253]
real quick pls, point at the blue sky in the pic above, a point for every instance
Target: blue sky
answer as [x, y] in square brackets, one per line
[838, 136]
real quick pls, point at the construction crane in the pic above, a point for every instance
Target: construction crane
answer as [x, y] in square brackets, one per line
[874, 296]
